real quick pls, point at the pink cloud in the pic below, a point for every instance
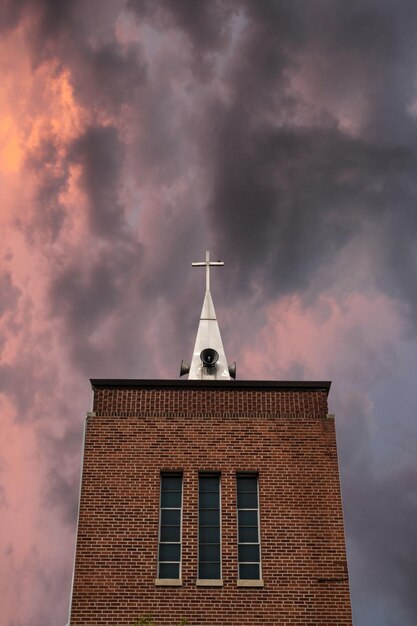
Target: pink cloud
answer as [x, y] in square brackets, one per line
[352, 335]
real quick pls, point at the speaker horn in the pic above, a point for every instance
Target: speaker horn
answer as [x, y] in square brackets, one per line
[232, 370]
[184, 369]
[209, 357]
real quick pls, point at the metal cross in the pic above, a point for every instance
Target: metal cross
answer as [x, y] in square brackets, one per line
[207, 264]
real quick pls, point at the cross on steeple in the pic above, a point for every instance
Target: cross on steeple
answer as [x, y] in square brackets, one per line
[207, 264]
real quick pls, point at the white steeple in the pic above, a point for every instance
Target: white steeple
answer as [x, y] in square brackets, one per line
[209, 359]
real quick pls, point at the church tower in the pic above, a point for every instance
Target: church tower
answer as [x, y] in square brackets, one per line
[210, 500]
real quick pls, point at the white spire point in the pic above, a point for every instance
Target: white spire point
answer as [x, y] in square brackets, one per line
[208, 335]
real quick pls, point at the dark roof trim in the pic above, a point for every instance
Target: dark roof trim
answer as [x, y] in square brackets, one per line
[282, 385]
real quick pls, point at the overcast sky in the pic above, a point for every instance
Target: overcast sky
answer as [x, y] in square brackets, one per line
[135, 135]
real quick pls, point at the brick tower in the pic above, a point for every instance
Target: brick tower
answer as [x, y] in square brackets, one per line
[210, 499]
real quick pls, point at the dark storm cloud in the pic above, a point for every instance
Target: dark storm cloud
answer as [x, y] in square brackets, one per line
[61, 489]
[62, 494]
[87, 292]
[288, 194]
[10, 13]
[379, 512]
[9, 293]
[204, 23]
[100, 153]
[62, 482]
[52, 17]
[111, 76]
[383, 509]
[291, 196]
[22, 387]
[105, 73]
[47, 215]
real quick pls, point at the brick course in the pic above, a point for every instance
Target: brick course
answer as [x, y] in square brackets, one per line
[282, 433]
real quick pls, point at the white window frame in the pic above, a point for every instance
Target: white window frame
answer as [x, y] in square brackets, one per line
[249, 581]
[210, 581]
[167, 474]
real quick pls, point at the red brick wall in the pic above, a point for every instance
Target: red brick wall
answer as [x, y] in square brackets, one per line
[284, 435]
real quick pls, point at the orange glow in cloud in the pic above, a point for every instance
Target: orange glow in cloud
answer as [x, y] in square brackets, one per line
[11, 153]
[58, 116]
[38, 106]
[34, 104]
[33, 101]
[38, 109]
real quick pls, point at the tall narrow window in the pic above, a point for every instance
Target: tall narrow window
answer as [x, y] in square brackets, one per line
[169, 553]
[248, 527]
[209, 551]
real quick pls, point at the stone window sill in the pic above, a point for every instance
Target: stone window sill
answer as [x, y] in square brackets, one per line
[208, 582]
[168, 582]
[250, 583]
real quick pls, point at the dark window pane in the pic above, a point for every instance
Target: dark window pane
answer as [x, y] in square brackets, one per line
[247, 500]
[247, 483]
[170, 533]
[171, 483]
[248, 534]
[209, 518]
[209, 534]
[170, 518]
[209, 500]
[209, 552]
[249, 553]
[209, 483]
[171, 500]
[169, 570]
[209, 570]
[209, 527]
[248, 518]
[169, 552]
[249, 572]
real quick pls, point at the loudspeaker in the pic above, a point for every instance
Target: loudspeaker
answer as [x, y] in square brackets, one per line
[232, 370]
[209, 357]
[184, 368]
